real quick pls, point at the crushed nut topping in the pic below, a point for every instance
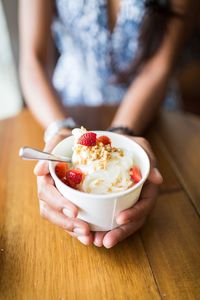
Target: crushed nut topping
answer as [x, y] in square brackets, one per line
[100, 152]
[98, 181]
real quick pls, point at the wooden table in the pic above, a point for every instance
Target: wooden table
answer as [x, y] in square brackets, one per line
[161, 261]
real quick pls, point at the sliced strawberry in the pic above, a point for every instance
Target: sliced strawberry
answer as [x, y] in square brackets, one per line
[135, 174]
[88, 139]
[74, 177]
[61, 169]
[104, 139]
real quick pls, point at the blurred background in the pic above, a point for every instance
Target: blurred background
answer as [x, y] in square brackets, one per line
[11, 100]
[10, 96]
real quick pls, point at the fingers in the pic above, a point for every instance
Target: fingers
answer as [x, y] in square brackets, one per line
[98, 238]
[118, 234]
[133, 218]
[86, 240]
[130, 220]
[154, 175]
[41, 168]
[142, 208]
[49, 194]
[69, 224]
[60, 211]
[54, 207]
[147, 147]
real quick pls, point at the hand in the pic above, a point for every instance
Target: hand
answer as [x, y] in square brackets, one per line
[60, 211]
[54, 207]
[130, 220]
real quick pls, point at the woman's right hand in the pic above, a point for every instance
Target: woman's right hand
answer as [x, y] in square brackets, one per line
[53, 206]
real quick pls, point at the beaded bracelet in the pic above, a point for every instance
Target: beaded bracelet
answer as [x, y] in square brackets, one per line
[122, 129]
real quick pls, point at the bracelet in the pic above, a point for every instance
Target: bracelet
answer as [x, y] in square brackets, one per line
[56, 126]
[122, 129]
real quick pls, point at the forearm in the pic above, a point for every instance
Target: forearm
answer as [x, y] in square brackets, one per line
[148, 89]
[142, 101]
[38, 92]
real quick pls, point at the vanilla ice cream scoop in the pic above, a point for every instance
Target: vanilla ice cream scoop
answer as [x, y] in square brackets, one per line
[106, 168]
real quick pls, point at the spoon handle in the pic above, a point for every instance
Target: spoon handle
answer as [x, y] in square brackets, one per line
[35, 154]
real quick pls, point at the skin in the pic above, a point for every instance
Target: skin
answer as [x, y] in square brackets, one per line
[154, 77]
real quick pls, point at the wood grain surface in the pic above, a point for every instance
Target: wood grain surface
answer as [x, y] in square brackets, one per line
[181, 135]
[161, 261]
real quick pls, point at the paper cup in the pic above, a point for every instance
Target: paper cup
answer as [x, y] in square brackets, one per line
[100, 211]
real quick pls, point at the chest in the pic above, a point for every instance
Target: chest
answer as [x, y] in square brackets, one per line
[109, 13]
[113, 8]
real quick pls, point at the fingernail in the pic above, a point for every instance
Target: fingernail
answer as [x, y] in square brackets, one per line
[68, 213]
[157, 173]
[37, 168]
[98, 243]
[41, 168]
[83, 239]
[107, 244]
[79, 230]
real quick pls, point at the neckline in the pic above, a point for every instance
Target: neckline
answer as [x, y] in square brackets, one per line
[117, 22]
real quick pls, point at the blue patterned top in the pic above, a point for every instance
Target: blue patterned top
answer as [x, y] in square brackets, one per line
[84, 72]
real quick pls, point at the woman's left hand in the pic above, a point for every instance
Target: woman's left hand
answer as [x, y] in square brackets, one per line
[130, 220]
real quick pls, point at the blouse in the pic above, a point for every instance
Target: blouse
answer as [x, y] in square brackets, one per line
[90, 54]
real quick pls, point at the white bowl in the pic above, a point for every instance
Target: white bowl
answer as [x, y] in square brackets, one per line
[100, 211]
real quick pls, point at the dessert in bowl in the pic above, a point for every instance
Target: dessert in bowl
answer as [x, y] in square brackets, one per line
[106, 176]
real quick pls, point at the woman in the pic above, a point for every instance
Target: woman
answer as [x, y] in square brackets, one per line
[105, 59]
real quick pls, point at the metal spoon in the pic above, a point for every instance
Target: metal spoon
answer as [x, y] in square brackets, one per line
[35, 154]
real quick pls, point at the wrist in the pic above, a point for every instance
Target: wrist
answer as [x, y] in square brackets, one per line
[122, 130]
[64, 132]
[60, 127]
[58, 137]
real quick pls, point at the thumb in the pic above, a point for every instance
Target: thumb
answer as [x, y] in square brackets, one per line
[42, 168]
[155, 176]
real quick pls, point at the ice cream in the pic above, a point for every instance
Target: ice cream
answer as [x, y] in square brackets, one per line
[106, 168]
[97, 166]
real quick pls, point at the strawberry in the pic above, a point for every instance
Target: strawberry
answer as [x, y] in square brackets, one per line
[73, 177]
[61, 169]
[135, 174]
[104, 139]
[88, 139]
